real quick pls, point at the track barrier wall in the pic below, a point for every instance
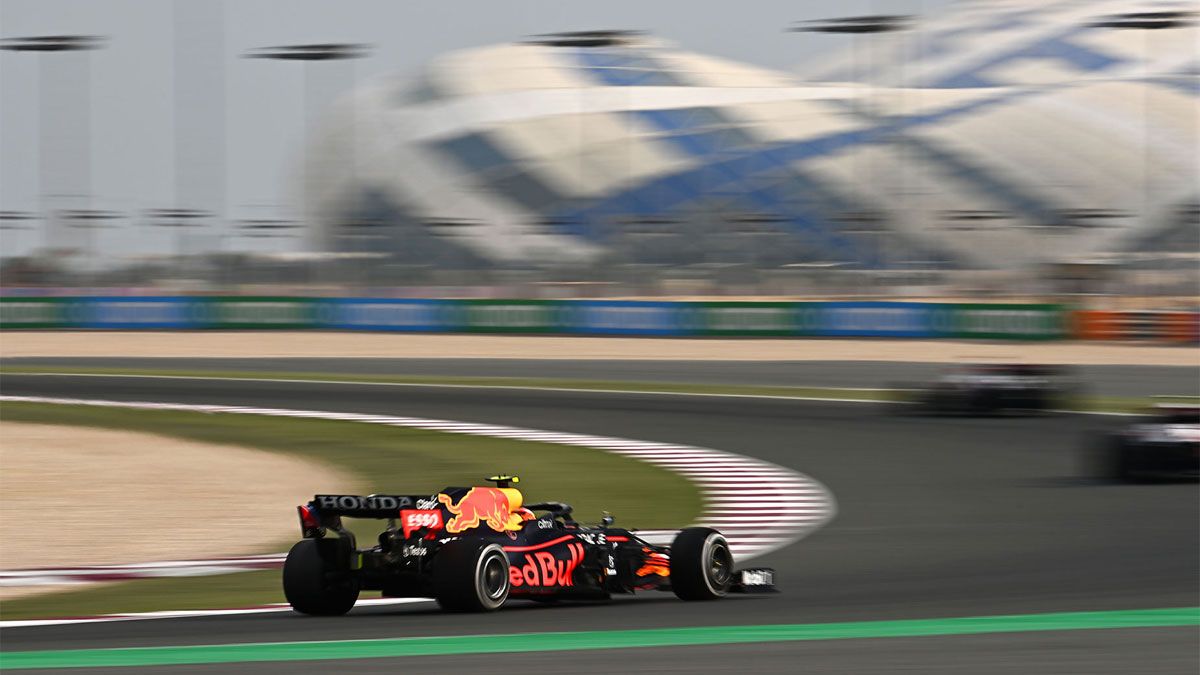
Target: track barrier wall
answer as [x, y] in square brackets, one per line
[601, 317]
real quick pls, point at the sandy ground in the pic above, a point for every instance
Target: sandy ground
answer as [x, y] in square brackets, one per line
[83, 496]
[319, 344]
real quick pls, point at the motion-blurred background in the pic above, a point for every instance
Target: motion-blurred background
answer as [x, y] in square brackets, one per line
[910, 148]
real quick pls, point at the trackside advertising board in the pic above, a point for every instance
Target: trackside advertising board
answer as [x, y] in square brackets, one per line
[380, 314]
[256, 313]
[866, 319]
[133, 313]
[33, 313]
[624, 317]
[549, 317]
[742, 318]
[1003, 322]
[505, 316]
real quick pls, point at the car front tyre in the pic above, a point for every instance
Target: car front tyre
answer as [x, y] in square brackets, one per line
[701, 564]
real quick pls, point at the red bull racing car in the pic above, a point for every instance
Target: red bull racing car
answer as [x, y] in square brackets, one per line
[472, 549]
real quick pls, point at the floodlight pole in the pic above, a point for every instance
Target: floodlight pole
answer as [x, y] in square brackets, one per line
[855, 26]
[179, 219]
[309, 53]
[89, 220]
[41, 45]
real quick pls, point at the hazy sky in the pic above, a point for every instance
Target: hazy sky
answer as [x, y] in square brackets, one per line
[155, 90]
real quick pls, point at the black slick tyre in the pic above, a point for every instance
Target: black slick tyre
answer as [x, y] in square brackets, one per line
[312, 582]
[701, 564]
[471, 576]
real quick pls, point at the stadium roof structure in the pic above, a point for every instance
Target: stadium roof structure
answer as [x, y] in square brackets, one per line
[1020, 133]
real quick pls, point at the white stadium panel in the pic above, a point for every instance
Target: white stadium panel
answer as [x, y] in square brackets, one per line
[1145, 50]
[1119, 145]
[1048, 156]
[500, 68]
[999, 41]
[791, 120]
[452, 117]
[637, 159]
[969, 33]
[915, 102]
[934, 203]
[601, 168]
[551, 136]
[1172, 120]
[1032, 72]
[709, 71]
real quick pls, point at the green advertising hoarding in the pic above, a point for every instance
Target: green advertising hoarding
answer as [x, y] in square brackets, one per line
[741, 318]
[17, 313]
[257, 313]
[505, 316]
[1002, 321]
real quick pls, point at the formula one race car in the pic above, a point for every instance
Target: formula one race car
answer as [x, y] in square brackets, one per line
[1165, 445]
[472, 549]
[989, 389]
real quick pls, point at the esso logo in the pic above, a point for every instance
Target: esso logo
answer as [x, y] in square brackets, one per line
[422, 519]
[416, 519]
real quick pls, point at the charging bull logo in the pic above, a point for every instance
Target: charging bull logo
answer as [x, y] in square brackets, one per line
[543, 569]
[481, 504]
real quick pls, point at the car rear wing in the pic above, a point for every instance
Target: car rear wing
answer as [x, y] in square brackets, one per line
[368, 506]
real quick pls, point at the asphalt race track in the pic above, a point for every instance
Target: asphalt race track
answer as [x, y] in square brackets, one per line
[938, 517]
[1107, 380]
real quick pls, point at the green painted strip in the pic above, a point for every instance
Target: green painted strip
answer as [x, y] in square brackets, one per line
[618, 639]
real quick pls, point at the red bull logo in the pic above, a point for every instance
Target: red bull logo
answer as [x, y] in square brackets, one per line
[493, 506]
[543, 569]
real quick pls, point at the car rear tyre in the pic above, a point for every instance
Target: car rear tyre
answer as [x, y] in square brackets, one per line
[471, 576]
[701, 564]
[312, 582]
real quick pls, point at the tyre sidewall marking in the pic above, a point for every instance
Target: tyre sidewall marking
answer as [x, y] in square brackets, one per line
[706, 555]
[480, 584]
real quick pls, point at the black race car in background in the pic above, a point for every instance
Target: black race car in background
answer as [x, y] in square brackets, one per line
[1165, 444]
[990, 389]
[472, 549]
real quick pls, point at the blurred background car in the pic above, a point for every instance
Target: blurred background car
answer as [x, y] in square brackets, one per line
[1163, 445]
[987, 389]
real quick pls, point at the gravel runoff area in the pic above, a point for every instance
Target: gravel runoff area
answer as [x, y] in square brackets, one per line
[110, 497]
[332, 344]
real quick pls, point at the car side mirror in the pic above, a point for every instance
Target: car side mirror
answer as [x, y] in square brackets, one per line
[607, 520]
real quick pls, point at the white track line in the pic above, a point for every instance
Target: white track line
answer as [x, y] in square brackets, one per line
[782, 505]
